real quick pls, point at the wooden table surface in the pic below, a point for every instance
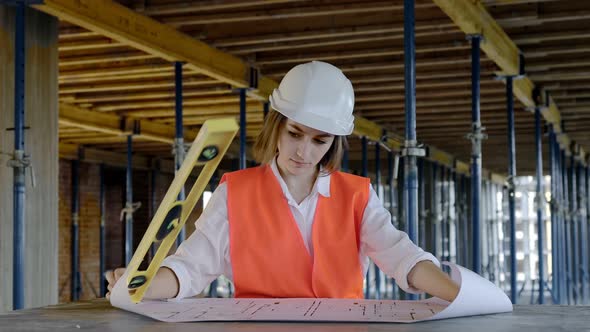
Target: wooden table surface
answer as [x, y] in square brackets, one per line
[99, 315]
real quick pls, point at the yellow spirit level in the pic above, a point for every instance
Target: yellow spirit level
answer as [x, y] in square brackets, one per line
[207, 150]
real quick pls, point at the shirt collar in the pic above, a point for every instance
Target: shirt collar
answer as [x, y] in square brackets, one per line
[321, 185]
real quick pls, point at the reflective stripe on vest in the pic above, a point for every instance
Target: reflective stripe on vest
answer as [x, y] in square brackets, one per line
[268, 254]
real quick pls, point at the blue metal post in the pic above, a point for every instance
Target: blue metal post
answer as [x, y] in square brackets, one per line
[456, 221]
[265, 109]
[129, 203]
[364, 172]
[443, 213]
[345, 160]
[102, 203]
[561, 224]
[242, 128]
[587, 223]
[476, 136]
[75, 283]
[511, 176]
[583, 230]
[179, 139]
[574, 229]
[18, 255]
[377, 186]
[411, 145]
[464, 220]
[553, 211]
[215, 283]
[540, 200]
[434, 210]
[153, 204]
[567, 229]
[422, 204]
[391, 184]
[392, 209]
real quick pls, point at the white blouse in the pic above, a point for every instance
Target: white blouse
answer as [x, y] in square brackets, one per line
[204, 256]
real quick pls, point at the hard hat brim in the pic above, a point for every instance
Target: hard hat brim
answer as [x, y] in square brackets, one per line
[338, 127]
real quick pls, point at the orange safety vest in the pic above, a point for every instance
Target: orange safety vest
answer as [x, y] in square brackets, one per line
[268, 255]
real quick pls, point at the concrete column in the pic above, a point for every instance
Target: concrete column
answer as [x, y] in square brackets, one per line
[41, 144]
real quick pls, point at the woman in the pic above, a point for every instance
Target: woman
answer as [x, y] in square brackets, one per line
[295, 226]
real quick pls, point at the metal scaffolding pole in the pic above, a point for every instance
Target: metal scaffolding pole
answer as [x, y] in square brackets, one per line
[443, 213]
[265, 109]
[411, 150]
[464, 220]
[456, 217]
[179, 139]
[129, 202]
[476, 137]
[574, 213]
[422, 204]
[511, 177]
[75, 253]
[378, 187]
[434, 211]
[213, 182]
[561, 224]
[574, 229]
[448, 212]
[152, 204]
[19, 163]
[392, 209]
[102, 202]
[539, 203]
[587, 223]
[554, 232]
[583, 195]
[567, 232]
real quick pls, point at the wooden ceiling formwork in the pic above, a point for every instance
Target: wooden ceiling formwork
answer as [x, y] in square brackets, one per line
[123, 76]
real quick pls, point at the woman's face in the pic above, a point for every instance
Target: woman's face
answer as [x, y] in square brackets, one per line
[301, 148]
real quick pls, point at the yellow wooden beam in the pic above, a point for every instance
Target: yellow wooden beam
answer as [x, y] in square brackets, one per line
[441, 157]
[130, 28]
[139, 31]
[75, 116]
[71, 115]
[462, 167]
[472, 18]
[75, 152]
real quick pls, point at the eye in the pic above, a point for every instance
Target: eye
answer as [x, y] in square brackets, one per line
[294, 134]
[319, 141]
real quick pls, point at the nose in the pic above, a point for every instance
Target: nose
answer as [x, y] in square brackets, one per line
[303, 149]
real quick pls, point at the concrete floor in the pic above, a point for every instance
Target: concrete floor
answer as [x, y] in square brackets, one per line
[98, 315]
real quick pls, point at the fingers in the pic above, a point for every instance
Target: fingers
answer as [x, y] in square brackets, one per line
[112, 276]
[119, 273]
[108, 295]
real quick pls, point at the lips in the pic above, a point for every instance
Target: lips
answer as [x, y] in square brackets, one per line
[299, 163]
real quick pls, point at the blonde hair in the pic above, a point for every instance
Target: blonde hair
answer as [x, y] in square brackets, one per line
[266, 144]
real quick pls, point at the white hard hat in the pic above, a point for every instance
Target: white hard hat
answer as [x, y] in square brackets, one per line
[318, 95]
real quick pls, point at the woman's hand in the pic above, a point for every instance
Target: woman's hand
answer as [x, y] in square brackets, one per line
[427, 277]
[112, 277]
[164, 285]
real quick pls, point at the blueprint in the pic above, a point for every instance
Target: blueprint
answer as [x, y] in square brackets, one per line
[477, 296]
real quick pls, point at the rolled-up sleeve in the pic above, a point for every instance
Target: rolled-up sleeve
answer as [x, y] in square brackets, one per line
[204, 256]
[391, 249]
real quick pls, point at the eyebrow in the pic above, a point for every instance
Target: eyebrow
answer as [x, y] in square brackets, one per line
[301, 130]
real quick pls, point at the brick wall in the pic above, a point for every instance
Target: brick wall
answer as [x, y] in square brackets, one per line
[89, 220]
